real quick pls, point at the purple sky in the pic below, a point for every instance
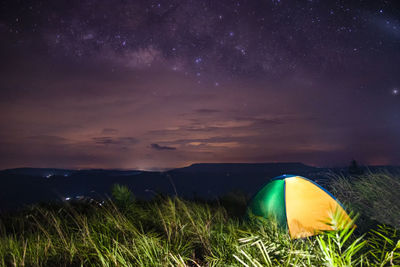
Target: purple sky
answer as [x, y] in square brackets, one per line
[162, 84]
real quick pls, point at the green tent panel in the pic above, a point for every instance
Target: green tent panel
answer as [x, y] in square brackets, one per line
[270, 202]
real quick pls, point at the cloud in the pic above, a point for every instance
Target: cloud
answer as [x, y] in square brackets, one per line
[160, 147]
[143, 57]
[50, 139]
[109, 131]
[207, 111]
[107, 140]
[59, 152]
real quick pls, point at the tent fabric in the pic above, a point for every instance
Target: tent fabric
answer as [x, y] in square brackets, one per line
[270, 201]
[297, 204]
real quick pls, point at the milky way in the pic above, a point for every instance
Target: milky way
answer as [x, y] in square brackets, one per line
[159, 84]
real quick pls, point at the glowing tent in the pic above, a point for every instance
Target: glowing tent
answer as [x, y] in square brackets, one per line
[298, 204]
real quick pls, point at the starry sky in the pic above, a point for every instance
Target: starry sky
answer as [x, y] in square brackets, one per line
[161, 84]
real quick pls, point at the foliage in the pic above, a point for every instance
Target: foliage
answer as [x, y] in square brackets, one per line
[123, 197]
[355, 169]
[384, 246]
[375, 196]
[337, 247]
[174, 232]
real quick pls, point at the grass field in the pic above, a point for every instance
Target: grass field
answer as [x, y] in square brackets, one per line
[169, 231]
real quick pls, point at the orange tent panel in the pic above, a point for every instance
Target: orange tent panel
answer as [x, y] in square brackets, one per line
[309, 207]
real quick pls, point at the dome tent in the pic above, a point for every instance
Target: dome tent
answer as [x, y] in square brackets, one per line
[298, 204]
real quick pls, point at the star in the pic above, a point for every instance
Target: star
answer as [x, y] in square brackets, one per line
[395, 91]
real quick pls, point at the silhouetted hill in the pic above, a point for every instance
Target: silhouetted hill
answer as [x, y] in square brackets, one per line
[47, 172]
[245, 167]
[206, 180]
[37, 171]
[214, 179]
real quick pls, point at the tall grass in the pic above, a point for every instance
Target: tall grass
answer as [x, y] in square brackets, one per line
[375, 196]
[170, 231]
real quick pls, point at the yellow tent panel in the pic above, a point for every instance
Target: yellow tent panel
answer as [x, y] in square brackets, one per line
[309, 208]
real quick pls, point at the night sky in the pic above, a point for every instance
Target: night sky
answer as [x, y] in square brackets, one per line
[162, 84]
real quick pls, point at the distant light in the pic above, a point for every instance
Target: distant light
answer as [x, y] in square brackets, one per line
[395, 91]
[67, 198]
